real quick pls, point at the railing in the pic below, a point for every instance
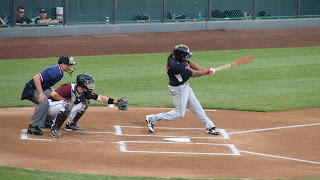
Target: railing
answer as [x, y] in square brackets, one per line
[75, 12]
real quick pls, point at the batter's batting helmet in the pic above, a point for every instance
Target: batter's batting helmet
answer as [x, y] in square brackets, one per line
[181, 51]
[83, 80]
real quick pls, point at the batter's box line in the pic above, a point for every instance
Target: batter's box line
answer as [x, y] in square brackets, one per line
[275, 128]
[24, 136]
[280, 157]
[223, 133]
[123, 148]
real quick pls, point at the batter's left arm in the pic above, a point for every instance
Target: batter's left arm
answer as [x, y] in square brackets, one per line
[195, 66]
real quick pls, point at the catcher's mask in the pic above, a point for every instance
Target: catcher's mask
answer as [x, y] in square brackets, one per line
[68, 60]
[86, 81]
[181, 51]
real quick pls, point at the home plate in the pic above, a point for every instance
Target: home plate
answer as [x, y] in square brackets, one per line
[178, 139]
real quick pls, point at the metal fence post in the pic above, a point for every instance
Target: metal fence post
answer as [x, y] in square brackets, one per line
[114, 11]
[13, 13]
[209, 10]
[297, 8]
[254, 9]
[65, 12]
[164, 10]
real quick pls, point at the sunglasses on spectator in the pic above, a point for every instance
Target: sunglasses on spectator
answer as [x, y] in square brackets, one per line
[21, 11]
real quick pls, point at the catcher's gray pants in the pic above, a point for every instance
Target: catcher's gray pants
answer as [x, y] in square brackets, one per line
[41, 111]
[183, 97]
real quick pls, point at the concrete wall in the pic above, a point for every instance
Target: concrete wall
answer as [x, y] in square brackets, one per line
[156, 27]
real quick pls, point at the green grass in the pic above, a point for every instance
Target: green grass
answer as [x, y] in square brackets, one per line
[279, 79]
[13, 173]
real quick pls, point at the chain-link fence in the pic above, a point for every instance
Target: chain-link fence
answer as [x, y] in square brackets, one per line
[72, 12]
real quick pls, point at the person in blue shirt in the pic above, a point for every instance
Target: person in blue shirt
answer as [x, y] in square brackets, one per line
[39, 88]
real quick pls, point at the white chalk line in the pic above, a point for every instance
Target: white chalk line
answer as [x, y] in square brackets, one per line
[267, 129]
[223, 133]
[281, 157]
[274, 156]
[123, 148]
[118, 132]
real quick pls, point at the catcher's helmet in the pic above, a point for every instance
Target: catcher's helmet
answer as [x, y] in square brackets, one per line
[181, 51]
[83, 80]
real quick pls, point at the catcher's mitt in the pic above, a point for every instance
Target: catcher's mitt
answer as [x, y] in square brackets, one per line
[122, 104]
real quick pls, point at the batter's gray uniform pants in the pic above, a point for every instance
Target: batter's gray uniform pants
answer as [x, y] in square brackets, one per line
[183, 97]
[41, 111]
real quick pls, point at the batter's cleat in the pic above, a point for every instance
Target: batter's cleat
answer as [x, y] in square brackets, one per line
[72, 127]
[55, 133]
[150, 125]
[213, 131]
[34, 130]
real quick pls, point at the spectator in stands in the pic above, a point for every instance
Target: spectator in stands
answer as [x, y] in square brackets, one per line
[21, 18]
[43, 18]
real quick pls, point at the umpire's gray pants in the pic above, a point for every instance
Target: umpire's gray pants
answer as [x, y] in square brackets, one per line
[41, 111]
[183, 97]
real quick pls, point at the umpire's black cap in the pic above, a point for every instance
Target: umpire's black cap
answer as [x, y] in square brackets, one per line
[68, 60]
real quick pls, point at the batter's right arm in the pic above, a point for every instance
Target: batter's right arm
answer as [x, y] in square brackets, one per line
[203, 72]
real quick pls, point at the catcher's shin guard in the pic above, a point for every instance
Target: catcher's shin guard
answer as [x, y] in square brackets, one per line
[60, 118]
[77, 117]
[72, 124]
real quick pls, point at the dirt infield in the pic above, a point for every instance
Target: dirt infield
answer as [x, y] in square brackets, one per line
[251, 144]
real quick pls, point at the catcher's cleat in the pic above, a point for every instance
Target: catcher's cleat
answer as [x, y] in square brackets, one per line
[72, 127]
[55, 133]
[34, 130]
[213, 131]
[150, 125]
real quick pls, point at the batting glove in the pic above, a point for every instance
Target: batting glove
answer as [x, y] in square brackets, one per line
[211, 71]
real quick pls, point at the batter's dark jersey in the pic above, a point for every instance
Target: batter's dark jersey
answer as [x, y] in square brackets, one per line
[178, 71]
[66, 92]
[48, 77]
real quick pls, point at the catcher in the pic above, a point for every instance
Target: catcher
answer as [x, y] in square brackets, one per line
[74, 99]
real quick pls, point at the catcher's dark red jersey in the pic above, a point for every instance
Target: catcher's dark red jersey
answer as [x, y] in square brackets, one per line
[68, 90]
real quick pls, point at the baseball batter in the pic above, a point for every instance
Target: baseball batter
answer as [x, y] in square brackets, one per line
[74, 99]
[179, 71]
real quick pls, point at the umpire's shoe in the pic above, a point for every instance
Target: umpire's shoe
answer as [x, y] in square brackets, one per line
[55, 132]
[34, 130]
[150, 124]
[72, 127]
[213, 131]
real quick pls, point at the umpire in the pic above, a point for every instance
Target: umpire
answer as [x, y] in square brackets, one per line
[39, 88]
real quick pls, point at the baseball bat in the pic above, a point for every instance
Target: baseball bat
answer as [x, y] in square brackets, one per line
[238, 62]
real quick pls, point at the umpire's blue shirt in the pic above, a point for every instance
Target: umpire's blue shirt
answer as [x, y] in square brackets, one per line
[48, 77]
